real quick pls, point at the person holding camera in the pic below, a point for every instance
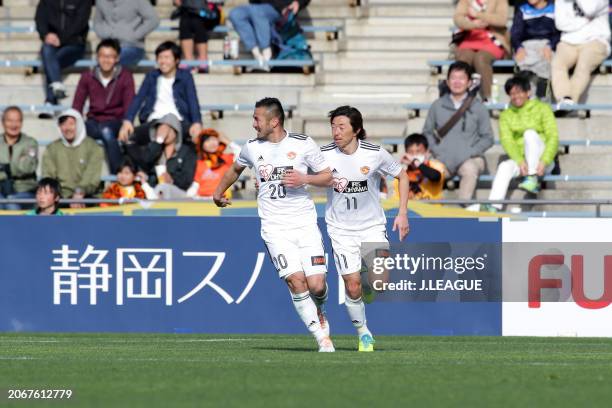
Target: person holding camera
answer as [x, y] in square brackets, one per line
[18, 159]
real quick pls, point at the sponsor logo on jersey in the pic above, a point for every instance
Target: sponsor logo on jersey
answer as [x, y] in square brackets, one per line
[342, 185]
[317, 260]
[267, 172]
[291, 155]
[260, 158]
[365, 170]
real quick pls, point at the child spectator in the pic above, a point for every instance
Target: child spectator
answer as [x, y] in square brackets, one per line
[212, 163]
[126, 186]
[483, 37]
[426, 175]
[48, 193]
[534, 38]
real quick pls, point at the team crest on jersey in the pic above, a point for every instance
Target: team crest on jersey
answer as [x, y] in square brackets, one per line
[365, 170]
[267, 172]
[291, 155]
[342, 185]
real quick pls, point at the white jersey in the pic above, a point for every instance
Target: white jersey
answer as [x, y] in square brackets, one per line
[353, 204]
[282, 207]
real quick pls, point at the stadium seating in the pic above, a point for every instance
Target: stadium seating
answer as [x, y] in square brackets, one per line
[378, 60]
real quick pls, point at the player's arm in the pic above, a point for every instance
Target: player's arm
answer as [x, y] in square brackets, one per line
[295, 179]
[229, 178]
[401, 220]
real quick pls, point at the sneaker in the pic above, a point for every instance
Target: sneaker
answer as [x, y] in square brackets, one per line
[366, 343]
[326, 345]
[488, 208]
[47, 112]
[323, 319]
[59, 90]
[530, 184]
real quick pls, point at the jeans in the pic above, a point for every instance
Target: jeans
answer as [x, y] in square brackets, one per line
[15, 206]
[253, 23]
[130, 56]
[107, 132]
[54, 60]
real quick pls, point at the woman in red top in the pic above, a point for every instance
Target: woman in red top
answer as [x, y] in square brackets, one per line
[212, 162]
[483, 37]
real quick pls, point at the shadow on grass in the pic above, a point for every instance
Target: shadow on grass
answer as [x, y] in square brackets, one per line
[305, 349]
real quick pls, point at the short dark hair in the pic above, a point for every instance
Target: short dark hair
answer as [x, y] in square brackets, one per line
[64, 118]
[355, 118]
[50, 183]
[169, 46]
[460, 66]
[127, 162]
[416, 139]
[109, 43]
[12, 108]
[274, 107]
[517, 80]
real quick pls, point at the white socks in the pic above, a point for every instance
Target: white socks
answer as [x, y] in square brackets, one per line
[307, 310]
[257, 54]
[267, 54]
[356, 312]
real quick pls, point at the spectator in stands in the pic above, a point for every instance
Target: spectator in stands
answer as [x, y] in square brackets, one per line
[426, 175]
[110, 89]
[175, 176]
[48, 194]
[75, 160]
[534, 39]
[168, 108]
[63, 28]
[585, 44]
[212, 163]
[458, 130]
[129, 21]
[254, 23]
[528, 134]
[483, 37]
[193, 30]
[18, 159]
[126, 186]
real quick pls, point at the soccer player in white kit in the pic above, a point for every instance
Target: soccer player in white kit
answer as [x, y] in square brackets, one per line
[353, 213]
[289, 227]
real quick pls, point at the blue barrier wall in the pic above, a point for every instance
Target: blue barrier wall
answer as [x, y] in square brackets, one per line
[200, 274]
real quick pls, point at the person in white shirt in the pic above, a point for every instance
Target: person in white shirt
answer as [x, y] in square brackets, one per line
[353, 213]
[289, 228]
[585, 44]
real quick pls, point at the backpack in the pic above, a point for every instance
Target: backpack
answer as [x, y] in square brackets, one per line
[291, 42]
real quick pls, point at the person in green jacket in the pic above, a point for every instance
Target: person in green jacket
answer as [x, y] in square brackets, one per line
[528, 133]
[75, 160]
[18, 159]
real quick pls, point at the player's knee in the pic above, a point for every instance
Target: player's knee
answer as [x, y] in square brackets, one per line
[353, 288]
[297, 283]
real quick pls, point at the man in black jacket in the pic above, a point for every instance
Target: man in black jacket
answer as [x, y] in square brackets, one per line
[254, 23]
[62, 26]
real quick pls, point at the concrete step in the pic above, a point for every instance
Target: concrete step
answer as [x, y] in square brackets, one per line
[424, 8]
[381, 77]
[400, 31]
[429, 43]
[247, 79]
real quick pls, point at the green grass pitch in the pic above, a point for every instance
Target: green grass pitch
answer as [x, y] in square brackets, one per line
[152, 370]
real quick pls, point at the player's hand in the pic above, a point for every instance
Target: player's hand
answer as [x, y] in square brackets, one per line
[401, 224]
[221, 201]
[520, 55]
[294, 179]
[524, 169]
[126, 130]
[143, 177]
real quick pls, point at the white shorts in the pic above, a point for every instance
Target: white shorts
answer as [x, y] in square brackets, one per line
[347, 247]
[296, 250]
